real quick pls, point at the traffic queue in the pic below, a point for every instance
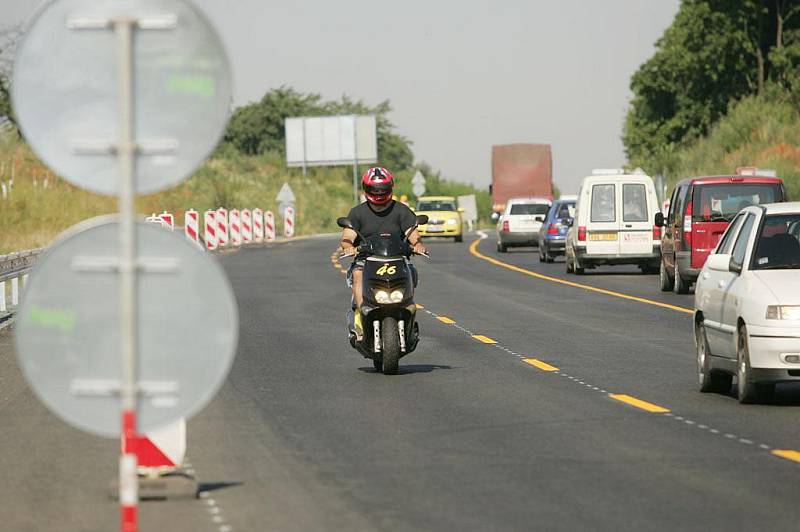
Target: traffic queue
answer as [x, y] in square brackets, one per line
[736, 238]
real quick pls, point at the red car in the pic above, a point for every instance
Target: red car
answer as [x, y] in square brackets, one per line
[700, 210]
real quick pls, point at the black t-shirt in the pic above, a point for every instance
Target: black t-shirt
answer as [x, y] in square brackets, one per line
[397, 219]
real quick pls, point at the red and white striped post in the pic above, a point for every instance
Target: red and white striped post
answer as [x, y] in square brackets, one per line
[235, 228]
[258, 225]
[191, 222]
[222, 227]
[288, 222]
[247, 226]
[269, 227]
[210, 223]
[128, 477]
[168, 219]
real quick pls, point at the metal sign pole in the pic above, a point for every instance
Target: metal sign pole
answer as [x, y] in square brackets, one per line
[126, 150]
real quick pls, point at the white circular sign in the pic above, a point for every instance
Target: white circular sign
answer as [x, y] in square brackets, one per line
[65, 90]
[68, 327]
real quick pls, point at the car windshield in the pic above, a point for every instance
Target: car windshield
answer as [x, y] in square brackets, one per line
[529, 208]
[565, 210]
[778, 245]
[436, 205]
[721, 202]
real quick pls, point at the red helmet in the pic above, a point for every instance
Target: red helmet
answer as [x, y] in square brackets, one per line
[378, 184]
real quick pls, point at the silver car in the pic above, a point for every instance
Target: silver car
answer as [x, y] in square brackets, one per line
[520, 222]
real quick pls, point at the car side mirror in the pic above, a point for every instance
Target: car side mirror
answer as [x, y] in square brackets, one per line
[495, 216]
[539, 218]
[422, 219]
[720, 262]
[659, 221]
[344, 223]
[569, 222]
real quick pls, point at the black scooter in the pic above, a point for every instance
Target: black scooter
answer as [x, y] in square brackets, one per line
[387, 316]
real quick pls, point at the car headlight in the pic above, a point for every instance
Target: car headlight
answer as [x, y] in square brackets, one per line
[382, 297]
[396, 296]
[783, 312]
[452, 221]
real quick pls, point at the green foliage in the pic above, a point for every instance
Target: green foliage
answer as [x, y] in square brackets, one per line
[258, 127]
[714, 53]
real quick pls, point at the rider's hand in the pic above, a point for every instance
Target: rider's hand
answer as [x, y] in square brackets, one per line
[419, 248]
[348, 250]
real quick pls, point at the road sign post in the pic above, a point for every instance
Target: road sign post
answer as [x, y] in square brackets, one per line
[418, 184]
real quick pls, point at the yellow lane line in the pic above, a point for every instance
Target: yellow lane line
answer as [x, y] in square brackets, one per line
[419, 306]
[473, 248]
[484, 339]
[445, 319]
[788, 454]
[638, 403]
[544, 366]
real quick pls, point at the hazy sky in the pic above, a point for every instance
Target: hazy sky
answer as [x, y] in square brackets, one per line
[461, 75]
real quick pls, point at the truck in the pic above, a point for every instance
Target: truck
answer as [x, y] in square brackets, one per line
[520, 170]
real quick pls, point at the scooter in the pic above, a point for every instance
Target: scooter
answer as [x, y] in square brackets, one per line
[387, 315]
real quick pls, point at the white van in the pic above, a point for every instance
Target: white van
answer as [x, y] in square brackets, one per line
[614, 223]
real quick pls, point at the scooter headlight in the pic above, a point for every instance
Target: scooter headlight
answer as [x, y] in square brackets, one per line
[396, 296]
[382, 297]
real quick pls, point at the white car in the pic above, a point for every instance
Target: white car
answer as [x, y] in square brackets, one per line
[520, 222]
[614, 223]
[747, 304]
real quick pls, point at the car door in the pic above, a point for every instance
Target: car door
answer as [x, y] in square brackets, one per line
[635, 229]
[668, 240]
[603, 227]
[710, 290]
[724, 287]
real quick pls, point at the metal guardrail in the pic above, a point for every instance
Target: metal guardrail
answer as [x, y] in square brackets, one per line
[14, 269]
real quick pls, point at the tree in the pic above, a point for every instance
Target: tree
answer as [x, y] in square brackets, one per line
[259, 127]
[8, 41]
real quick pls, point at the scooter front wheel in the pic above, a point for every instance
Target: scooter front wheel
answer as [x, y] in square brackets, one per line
[377, 363]
[390, 338]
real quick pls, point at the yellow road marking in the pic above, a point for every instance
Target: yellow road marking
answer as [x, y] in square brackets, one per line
[794, 456]
[484, 339]
[419, 306]
[638, 403]
[544, 366]
[445, 319]
[473, 248]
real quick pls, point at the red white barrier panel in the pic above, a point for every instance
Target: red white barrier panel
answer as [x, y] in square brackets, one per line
[247, 226]
[222, 227]
[168, 219]
[235, 228]
[269, 226]
[155, 219]
[161, 451]
[288, 222]
[210, 223]
[258, 225]
[191, 222]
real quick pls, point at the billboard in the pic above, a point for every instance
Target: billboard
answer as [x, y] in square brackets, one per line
[331, 140]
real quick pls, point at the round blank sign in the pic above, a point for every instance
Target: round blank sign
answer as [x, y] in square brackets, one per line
[66, 83]
[68, 332]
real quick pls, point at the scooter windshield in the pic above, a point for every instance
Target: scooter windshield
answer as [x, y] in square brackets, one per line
[386, 245]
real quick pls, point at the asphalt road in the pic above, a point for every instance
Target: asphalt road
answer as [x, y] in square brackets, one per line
[536, 431]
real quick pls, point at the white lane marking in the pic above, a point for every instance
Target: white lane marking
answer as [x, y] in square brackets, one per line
[482, 234]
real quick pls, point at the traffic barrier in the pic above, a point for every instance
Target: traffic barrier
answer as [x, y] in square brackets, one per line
[247, 226]
[222, 227]
[269, 227]
[191, 222]
[155, 219]
[210, 223]
[168, 219]
[235, 227]
[258, 225]
[161, 451]
[288, 222]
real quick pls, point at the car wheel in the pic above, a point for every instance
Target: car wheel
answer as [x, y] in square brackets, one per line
[569, 264]
[502, 248]
[663, 278]
[577, 268]
[459, 238]
[709, 381]
[749, 391]
[679, 285]
[541, 254]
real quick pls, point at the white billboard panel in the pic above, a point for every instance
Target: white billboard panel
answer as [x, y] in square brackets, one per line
[470, 206]
[331, 140]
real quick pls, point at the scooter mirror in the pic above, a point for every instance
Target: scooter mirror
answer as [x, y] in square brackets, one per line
[344, 223]
[422, 219]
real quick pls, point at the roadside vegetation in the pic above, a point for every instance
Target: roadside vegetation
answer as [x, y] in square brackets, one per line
[246, 171]
[722, 90]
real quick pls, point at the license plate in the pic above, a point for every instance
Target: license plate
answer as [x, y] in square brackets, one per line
[603, 237]
[434, 230]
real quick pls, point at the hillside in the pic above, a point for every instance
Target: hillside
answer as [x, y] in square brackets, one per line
[33, 215]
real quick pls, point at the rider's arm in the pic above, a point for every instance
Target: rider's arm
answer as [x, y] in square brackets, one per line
[416, 241]
[348, 241]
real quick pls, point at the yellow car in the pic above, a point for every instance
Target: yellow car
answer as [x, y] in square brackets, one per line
[444, 218]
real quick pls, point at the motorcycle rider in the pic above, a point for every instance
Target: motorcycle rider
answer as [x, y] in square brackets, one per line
[379, 214]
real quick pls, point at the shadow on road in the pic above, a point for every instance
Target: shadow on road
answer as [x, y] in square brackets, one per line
[214, 486]
[410, 369]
